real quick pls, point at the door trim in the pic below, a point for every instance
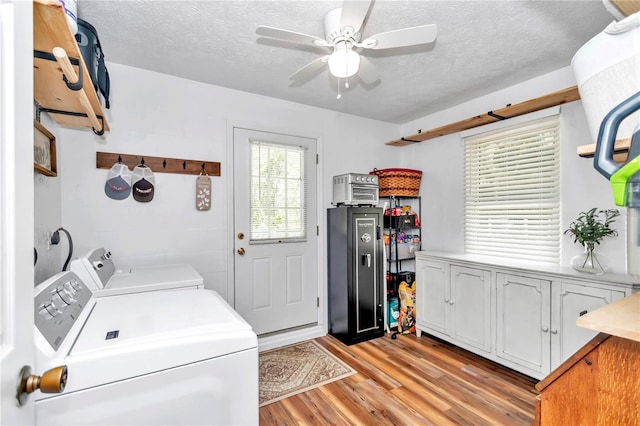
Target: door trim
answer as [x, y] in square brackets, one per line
[320, 215]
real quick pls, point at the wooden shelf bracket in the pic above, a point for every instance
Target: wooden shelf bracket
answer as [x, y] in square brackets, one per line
[105, 160]
[62, 84]
[74, 83]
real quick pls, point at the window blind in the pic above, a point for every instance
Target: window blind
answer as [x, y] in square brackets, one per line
[512, 192]
[278, 193]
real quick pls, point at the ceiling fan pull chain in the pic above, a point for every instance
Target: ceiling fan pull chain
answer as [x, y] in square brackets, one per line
[339, 95]
[346, 72]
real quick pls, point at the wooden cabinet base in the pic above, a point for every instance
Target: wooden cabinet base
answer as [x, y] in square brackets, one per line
[598, 385]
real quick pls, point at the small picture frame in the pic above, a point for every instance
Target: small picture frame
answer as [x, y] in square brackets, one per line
[44, 151]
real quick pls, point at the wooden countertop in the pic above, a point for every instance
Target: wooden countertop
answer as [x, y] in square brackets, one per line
[620, 318]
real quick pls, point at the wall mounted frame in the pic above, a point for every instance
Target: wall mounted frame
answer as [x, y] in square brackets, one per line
[44, 151]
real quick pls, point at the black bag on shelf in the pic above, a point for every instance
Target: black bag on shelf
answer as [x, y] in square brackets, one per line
[93, 56]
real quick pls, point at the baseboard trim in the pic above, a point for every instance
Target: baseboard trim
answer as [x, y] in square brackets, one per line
[290, 337]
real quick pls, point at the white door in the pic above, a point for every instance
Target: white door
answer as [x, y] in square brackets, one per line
[16, 205]
[470, 305]
[524, 322]
[275, 230]
[432, 304]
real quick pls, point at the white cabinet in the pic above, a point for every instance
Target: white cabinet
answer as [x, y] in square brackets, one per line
[524, 321]
[454, 301]
[470, 303]
[572, 301]
[519, 315]
[432, 301]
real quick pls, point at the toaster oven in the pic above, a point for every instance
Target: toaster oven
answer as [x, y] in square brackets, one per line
[354, 189]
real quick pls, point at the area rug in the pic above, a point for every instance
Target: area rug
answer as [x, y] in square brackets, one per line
[297, 368]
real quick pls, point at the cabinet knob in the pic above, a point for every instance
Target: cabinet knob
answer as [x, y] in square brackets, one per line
[446, 300]
[451, 302]
[545, 329]
[554, 331]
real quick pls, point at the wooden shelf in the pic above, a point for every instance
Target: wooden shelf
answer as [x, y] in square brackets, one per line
[556, 98]
[50, 30]
[620, 150]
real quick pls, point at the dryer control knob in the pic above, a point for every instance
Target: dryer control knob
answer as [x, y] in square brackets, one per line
[58, 302]
[70, 288]
[75, 284]
[48, 311]
[66, 295]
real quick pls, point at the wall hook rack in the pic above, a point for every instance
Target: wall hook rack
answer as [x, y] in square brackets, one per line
[104, 160]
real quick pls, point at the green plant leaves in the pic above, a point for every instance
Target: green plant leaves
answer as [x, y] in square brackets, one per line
[589, 227]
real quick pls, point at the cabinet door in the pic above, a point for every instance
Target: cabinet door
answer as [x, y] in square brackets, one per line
[571, 300]
[470, 305]
[432, 295]
[523, 325]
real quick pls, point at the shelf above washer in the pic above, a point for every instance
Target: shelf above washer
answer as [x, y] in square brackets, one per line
[50, 30]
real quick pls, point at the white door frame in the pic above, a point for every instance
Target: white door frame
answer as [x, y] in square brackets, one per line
[16, 201]
[289, 337]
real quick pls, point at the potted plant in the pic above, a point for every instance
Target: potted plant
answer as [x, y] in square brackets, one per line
[588, 230]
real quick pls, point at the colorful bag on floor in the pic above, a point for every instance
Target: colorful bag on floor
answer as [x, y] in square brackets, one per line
[407, 318]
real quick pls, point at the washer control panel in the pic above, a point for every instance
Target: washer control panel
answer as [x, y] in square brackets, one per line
[97, 266]
[58, 304]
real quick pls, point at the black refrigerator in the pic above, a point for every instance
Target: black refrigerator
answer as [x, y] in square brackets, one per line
[355, 273]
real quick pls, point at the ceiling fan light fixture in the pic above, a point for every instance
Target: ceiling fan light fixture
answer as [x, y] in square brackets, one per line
[344, 62]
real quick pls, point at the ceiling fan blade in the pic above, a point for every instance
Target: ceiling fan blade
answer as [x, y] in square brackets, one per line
[353, 13]
[310, 69]
[403, 37]
[367, 71]
[290, 36]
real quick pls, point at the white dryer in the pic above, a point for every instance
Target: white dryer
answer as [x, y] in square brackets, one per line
[164, 357]
[98, 271]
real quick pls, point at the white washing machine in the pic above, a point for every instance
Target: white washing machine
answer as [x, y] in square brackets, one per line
[163, 357]
[98, 271]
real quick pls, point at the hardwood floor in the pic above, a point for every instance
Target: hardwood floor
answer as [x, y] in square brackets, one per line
[410, 381]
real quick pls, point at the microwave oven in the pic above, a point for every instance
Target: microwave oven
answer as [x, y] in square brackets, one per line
[355, 189]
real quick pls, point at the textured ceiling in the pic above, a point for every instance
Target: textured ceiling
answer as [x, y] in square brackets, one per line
[482, 46]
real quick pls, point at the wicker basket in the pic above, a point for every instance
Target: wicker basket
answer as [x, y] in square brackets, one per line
[398, 182]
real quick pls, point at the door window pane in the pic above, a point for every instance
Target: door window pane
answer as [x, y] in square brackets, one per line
[278, 191]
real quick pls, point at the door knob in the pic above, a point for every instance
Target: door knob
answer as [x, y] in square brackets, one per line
[241, 251]
[240, 235]
[52, 381]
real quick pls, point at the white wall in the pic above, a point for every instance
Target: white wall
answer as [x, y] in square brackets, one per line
[159, 115]
[48, 216]
[441, 161]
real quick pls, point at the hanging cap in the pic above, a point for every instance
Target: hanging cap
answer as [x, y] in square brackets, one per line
[143, 184]
[118, 185]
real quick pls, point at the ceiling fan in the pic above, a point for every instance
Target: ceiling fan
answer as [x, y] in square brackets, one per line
[343, 31]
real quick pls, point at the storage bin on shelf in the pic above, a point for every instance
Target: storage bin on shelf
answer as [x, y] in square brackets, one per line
[404, 221]
[398, 182]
